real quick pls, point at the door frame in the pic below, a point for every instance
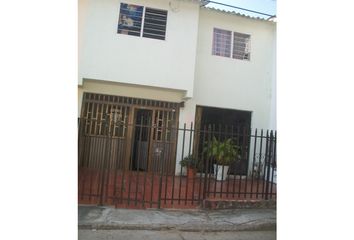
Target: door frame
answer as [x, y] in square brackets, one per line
[131, 104]
[135, 124]
[131, 137]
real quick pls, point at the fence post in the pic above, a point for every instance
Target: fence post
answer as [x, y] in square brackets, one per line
[274, 156]
[180, 177]
[103, 170]
[160, 161]
[205, 161]
[163, 165]
[268, 164]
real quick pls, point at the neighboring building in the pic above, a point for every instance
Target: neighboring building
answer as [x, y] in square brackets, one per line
[164, 62]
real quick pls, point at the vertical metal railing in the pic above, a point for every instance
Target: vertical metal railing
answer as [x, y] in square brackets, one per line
[153, 176]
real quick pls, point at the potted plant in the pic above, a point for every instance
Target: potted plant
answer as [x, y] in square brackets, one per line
[190, 163]
[223, 153]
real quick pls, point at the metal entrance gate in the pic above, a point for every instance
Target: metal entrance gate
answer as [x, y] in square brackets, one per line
[121, 138]
[129, 161]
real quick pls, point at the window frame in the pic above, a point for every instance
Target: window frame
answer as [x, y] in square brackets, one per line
[215, 47]
[148, 35]
[232, 42]
[121, 23]
[142, 26]
[247, 36]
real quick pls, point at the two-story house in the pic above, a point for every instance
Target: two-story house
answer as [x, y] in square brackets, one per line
[164, 63]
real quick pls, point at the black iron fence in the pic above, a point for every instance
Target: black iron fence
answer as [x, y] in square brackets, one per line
[138, 165]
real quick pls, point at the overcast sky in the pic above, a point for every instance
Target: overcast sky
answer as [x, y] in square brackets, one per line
[264, 6]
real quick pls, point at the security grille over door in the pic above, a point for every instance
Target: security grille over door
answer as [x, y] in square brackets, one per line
[116, 117]
[164, 141]
[127, 155]
[98, 110]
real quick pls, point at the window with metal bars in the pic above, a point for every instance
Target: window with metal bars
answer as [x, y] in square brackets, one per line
[164, 125]
[155, 23]
[241, 46]
[151, 23]
[223, 40]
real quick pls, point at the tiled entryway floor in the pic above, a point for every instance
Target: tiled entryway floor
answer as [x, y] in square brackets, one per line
[132, 189]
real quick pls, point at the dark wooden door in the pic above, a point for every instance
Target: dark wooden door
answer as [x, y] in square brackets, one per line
[141, 140]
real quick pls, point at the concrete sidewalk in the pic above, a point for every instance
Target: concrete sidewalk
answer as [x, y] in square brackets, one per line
[92, 217]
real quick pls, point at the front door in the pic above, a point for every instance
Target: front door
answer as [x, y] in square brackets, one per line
[225, 123]
[141, 140]
[154, 140]
[164, 141]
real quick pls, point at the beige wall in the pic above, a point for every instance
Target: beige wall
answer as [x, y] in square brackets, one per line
[128, 90]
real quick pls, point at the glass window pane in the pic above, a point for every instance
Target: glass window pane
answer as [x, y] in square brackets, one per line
[130, 19]
[222, 42]
[242, 46]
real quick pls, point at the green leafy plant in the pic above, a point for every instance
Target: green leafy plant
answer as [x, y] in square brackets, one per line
[189, 162]
[223, 152]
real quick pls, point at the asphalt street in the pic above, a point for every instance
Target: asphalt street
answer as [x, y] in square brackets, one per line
[173, 235]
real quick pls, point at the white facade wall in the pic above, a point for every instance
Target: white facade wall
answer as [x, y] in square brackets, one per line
[231, 83]
[181, 67]
[273, 104]
[106, 55]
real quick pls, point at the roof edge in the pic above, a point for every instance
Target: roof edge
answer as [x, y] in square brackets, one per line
[271, 19]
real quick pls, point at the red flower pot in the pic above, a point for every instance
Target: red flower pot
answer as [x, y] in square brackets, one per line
[191, 173]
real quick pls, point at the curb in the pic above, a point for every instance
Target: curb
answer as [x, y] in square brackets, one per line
[218, 204]
[104, 218]
[263, 226]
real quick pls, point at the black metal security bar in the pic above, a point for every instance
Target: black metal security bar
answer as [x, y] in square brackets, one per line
[141, 168]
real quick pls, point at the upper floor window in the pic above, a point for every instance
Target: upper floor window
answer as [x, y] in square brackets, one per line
[142, 21]
[130, 19]
[223, 40]
[155, 23]
[242, 45]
